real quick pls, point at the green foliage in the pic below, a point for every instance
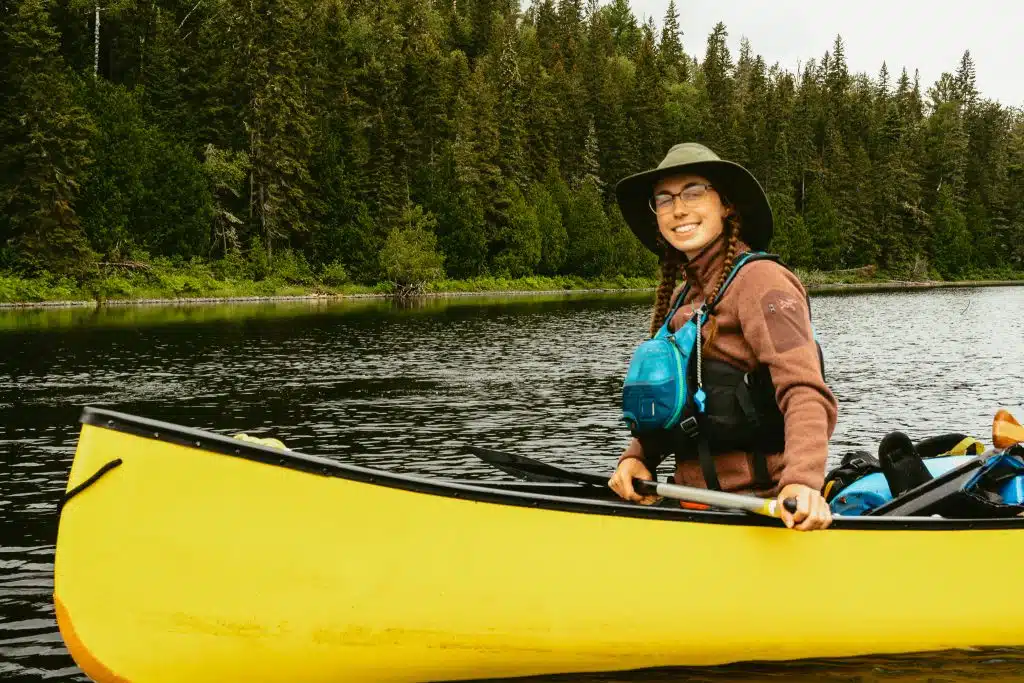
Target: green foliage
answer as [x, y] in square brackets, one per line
[146, 190]
[591, 249]
[44, 139]
[823, 223]
[286, 156]
[334, 274]
[409, 258]
[553, 238]
[226, 173]
[521, 241]
[952, 241]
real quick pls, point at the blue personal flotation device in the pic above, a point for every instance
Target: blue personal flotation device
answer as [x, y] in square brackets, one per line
[657, 391]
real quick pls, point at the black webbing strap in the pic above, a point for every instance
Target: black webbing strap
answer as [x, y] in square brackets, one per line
[762, 477]
[707, 464]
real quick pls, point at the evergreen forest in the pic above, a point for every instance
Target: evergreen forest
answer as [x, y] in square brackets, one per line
[370, 141]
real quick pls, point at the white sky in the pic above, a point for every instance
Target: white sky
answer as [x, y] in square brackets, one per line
[927, 35]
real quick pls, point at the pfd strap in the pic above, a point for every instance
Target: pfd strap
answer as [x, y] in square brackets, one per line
[762, 477]
[707, 464]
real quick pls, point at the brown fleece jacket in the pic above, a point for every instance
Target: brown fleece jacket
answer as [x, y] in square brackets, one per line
[762, 319]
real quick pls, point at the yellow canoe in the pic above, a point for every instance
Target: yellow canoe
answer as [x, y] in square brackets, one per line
[184, 555]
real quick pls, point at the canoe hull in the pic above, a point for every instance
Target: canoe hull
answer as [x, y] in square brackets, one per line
[181, 563]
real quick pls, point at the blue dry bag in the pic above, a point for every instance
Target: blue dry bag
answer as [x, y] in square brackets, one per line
[656, 389]
[654, 394]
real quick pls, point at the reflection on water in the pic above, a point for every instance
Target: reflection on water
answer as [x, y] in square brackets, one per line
[406, 387]
[936, 667]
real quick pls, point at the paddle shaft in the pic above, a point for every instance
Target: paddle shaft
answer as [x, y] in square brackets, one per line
[521, 465]
[761, 506]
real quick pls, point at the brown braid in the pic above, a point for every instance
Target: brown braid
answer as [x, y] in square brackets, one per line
[732, 229]
[671, 269]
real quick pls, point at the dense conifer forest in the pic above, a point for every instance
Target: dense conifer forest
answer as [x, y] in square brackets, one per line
[368, 141]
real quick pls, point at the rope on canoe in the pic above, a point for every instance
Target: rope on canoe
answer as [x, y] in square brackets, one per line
[87, 483]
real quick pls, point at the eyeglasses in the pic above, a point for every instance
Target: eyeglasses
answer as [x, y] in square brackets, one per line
[663, 202]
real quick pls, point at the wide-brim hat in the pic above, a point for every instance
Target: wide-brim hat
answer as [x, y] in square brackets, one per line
[733, 182]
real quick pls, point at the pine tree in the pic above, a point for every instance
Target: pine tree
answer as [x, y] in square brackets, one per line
[275, 115]
[554, 240]
[625, 30]
[511, 109]
[672, 59]
[951, 243]
[570, 32]
[546, 23]
[519, 244]
[721, 131]
[965, 80]
[648, 102]
[212, 128]
[823, 223]
[45, 136]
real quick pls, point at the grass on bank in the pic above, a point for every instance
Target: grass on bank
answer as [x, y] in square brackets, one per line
[141, 281]
[165, 280]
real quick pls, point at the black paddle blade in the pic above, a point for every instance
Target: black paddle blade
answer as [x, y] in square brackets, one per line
[535, 470]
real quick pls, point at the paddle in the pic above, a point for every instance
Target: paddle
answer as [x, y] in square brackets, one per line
[522, 466]
[1006, 431]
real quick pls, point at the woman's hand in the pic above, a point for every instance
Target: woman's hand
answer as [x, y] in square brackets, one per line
[622, 481]
[812, 512]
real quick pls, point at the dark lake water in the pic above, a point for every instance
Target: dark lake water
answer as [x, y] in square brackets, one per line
[406, 387]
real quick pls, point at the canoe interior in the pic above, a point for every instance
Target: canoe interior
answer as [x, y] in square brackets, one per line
[544, 495]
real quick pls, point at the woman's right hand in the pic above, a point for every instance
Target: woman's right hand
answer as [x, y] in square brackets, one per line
[622, 481]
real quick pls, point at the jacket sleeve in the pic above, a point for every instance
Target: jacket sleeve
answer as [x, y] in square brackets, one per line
[775, 322]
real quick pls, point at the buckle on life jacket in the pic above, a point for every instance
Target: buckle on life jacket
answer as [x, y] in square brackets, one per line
[689, 427]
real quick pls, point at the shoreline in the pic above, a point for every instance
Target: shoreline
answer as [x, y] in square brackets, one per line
[826, 289]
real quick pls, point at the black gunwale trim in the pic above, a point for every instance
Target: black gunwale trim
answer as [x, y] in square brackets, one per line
[225, 445]
[87, 483]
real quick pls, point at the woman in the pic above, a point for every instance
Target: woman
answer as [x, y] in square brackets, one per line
[698, 213]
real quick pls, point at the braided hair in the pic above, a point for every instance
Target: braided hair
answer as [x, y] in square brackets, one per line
[673, 265]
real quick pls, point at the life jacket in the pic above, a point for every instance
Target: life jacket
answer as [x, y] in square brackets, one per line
[676, 401]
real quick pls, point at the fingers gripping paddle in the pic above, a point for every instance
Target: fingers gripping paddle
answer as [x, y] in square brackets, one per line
[522, 466]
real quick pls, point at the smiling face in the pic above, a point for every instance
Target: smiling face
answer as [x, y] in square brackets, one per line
[694, 218]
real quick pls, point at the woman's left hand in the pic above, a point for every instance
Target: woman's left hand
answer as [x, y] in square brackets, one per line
[812, 512]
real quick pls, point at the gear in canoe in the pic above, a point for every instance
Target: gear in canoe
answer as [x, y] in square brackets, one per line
[961, 478]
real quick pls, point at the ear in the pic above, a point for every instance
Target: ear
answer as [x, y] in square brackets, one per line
[727, 208]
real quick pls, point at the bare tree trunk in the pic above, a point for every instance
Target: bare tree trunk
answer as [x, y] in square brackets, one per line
[263, 223]
[96, 45]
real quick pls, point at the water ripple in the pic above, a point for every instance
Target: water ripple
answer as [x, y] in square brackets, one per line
[406, 388]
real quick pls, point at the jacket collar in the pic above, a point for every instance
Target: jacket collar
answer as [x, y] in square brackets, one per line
[704, 270]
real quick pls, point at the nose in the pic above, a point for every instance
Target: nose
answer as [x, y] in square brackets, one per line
[678, 207]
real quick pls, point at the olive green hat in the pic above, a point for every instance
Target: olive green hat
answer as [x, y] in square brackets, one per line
[733, 182]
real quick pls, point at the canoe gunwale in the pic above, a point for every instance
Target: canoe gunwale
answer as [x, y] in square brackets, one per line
[480, 491]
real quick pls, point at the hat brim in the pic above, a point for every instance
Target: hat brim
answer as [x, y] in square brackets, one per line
[738, 186]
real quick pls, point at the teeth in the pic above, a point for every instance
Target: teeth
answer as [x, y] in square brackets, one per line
[686, 228]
